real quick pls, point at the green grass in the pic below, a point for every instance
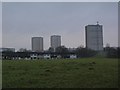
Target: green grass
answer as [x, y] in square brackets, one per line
[67, 73]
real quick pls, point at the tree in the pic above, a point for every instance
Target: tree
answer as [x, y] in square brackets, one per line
[112, 52]
[62, 50]
[51, 49]
[118, 52]
[22, 50]
[84, 52]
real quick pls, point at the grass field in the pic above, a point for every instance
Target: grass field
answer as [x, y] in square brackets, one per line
[69, 73]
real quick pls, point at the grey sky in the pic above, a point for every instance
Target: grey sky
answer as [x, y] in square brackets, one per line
[60, 0]
[0, 24]
[21, 21]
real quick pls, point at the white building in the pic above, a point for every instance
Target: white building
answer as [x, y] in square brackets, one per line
[35, 56]
[55, 41]
[46, 56]
[37, 44]
[94, 37]
[73, 56]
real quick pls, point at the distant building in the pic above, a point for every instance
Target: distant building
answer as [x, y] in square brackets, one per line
[7, 49]
[73, 56]
[55, 41]
[94, 37]
[37, 44]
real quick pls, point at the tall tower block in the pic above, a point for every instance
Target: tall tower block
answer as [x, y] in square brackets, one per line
[94, 37]
[55, 41]
[37, 44]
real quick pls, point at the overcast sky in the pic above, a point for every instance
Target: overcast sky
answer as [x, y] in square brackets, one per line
[60, 0]
[0, 24]
[21, 21]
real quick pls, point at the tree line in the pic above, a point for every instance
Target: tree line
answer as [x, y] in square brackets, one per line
[80, 52]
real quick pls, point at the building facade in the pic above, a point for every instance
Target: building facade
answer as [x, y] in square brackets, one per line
[7, 49]
[37, 44]
[55, 41]
[94, 37]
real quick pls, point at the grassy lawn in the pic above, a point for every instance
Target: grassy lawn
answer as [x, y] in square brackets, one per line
[69, 73]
